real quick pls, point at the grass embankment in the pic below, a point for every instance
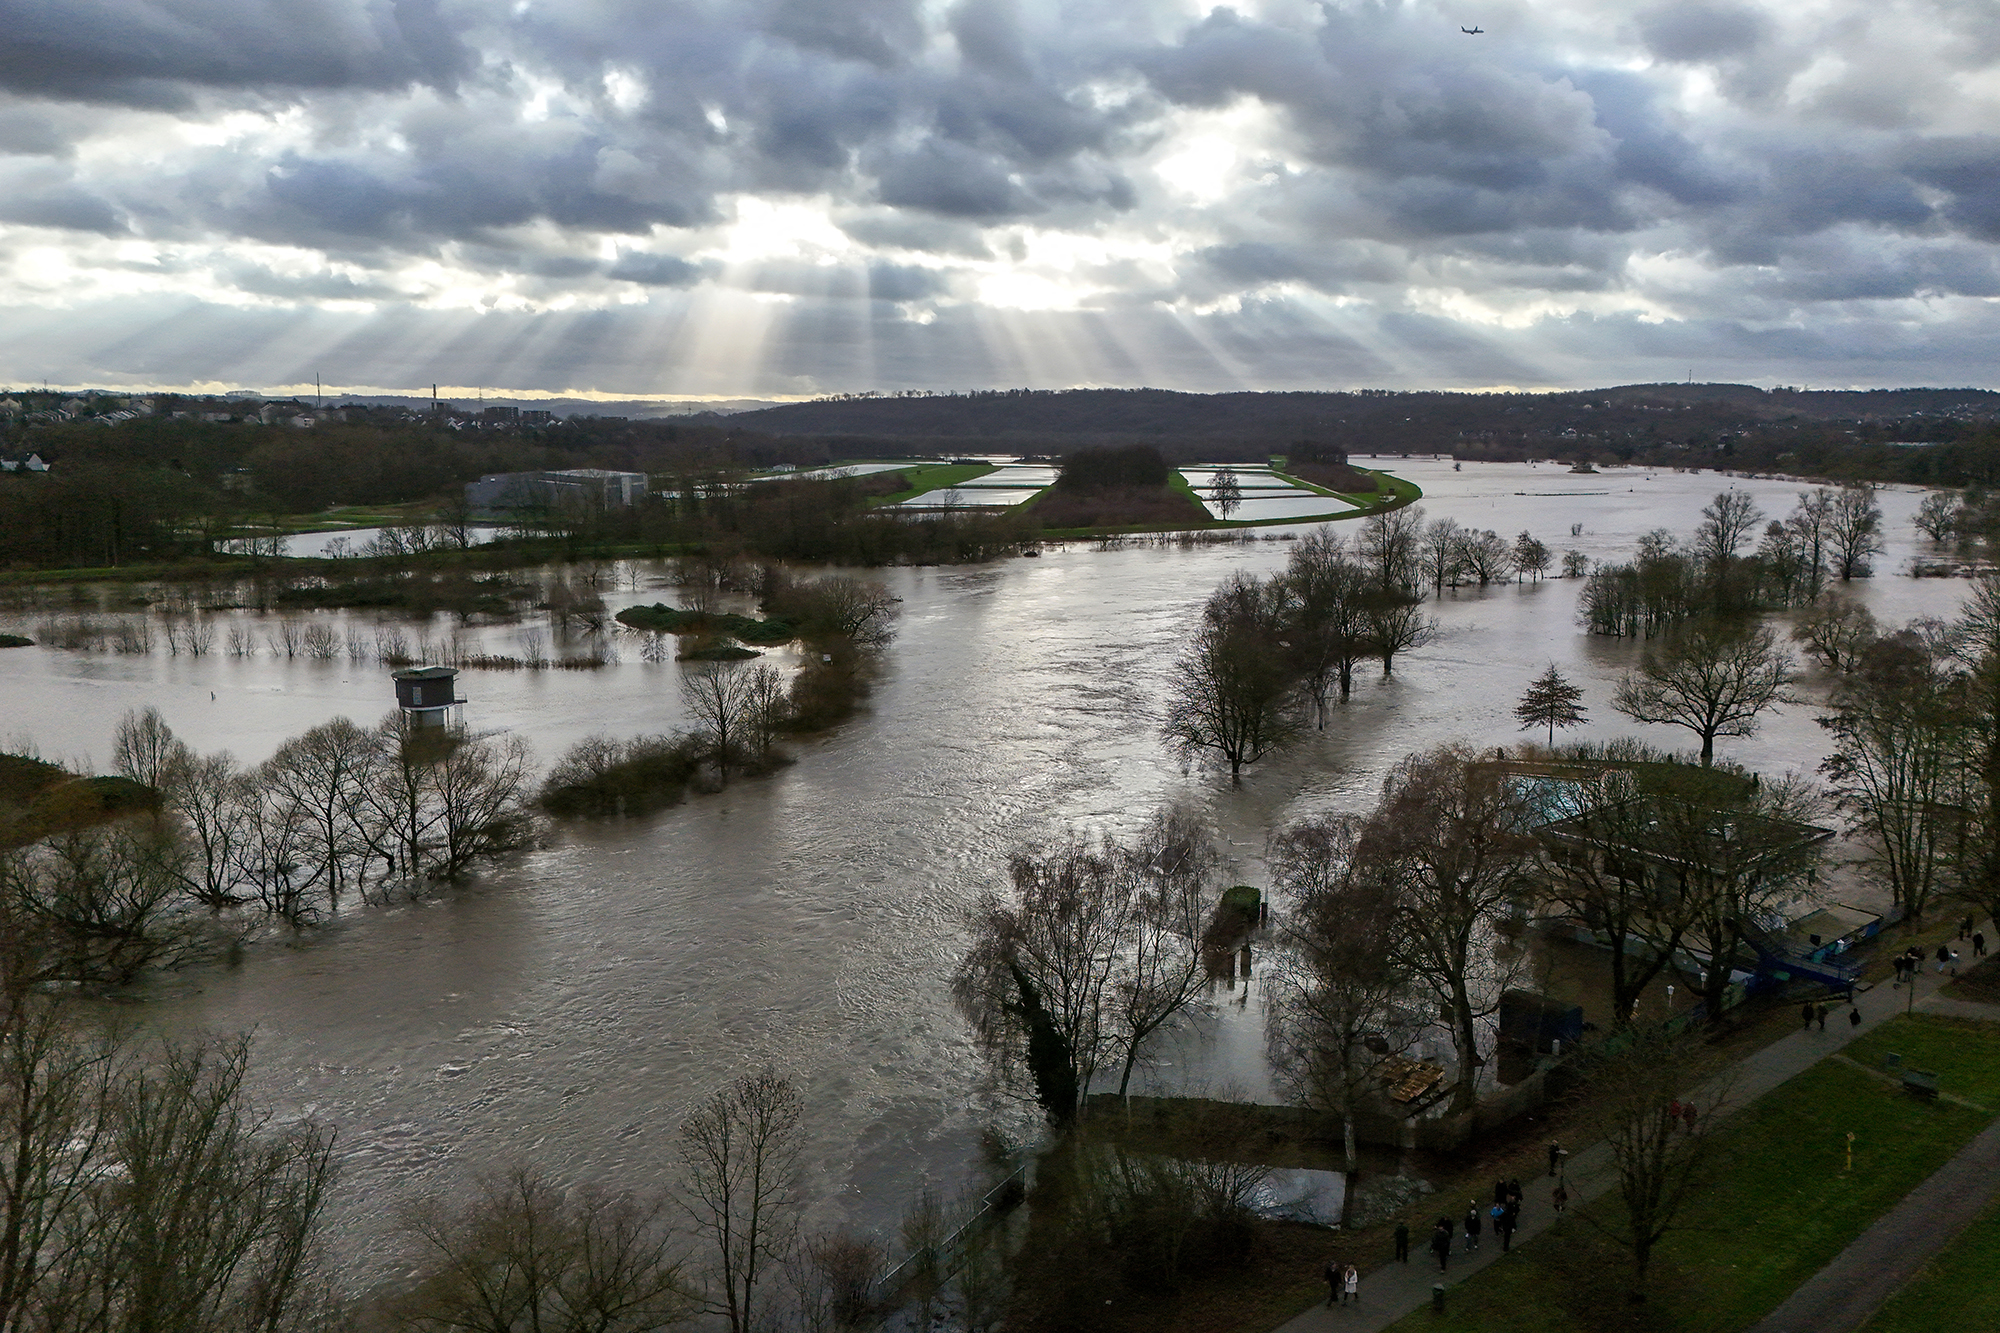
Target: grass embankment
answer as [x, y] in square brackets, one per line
[38, 800]
[1780, 1208]
[663, 619]
[926, 477]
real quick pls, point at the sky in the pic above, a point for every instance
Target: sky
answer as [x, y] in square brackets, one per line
[786, 198]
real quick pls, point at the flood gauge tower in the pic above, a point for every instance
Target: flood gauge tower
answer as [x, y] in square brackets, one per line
[428, 695]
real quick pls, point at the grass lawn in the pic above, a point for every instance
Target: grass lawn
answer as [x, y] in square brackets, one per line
[1963, 1052]
[1949, 1290]
[926, 477]
[1779, 1209]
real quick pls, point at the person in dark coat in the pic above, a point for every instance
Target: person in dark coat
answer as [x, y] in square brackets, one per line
[1499, 1191]
[1819, 1015]
[1333, 1275]
[1441, 1243]
[1555, 1156]
[1513, 1194]
[1978, 944]
[1509, 1219]
[1402, 1242]
[1805, 1017]
[1965, 926]
[1560, 1199]
[1472, 1227]
[1854, 1016]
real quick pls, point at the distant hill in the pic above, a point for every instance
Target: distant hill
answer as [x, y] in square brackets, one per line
[1365, 421]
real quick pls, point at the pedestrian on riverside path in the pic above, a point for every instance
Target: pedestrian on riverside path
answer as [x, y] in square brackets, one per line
[1854, 1015]
[1819, 1013]
[1472, 1227]
[1514, 1193]
[1499, 1191]
[1560, 1198]
[1555, 1156]
[1805, 1017]
[1402, 1242]
[1352, 1282]
[1978, 944]
[1333, 1276]
[1943, 957]
[1509, 1219]
[1965, 926]
[1441, 1242]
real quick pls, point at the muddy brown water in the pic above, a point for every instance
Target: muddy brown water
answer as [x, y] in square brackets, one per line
[572, 1005]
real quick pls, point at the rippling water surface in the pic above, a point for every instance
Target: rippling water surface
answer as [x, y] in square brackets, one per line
[571, 1006]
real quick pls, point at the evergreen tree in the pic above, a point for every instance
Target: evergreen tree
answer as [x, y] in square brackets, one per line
[1551, 702]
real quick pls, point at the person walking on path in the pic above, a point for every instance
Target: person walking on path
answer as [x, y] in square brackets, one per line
[1499, 1191]
[1805, 1018]
[1441, 1243]
[1514, 1192]
[1510, 1218]
[1965, 926]
[1854, 1016]
[1819, 1014]
[1402, 1242]
[1978, 944]
[1351, 1280]
[1560, 1198]
[1332, 1281]
[1472, 1227]
[1943, 957]
[1555, 1156]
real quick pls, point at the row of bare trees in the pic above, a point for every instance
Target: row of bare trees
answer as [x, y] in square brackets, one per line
[337, 813]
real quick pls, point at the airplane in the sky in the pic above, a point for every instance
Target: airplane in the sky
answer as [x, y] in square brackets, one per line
[1472, 32]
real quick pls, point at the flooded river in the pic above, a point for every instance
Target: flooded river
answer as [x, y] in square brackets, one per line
[571, 1006]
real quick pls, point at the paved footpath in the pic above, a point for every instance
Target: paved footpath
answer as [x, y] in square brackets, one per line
[1394, 1290]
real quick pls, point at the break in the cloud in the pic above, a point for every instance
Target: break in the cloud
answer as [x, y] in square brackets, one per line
[788, 196]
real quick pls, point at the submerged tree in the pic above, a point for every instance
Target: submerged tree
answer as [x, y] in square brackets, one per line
[1712, 678]
[1337, 985]
[1231, 684]
[741, 1162]
[1551, 701]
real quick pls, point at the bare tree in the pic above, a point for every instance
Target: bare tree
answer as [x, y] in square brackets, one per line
[1811, 526]
[1903, 767]
[1397, 624]
[106, 903]
[769, 707]
[1040, 976]
[1441, 553]
[1595, 863]
[722, 699]
[211, 799]
[321, 781]
[1390, 545]
[524, 1255]
[834, 1279]
[1642, 1101]
[1837, 630]
[740, 1189]
[1938, 516]
[1226, 492]
[1531, 556]
[1487, 557]
[1169, 868]
[1321, 607]
[1855, 530]
[1446, 844]
[1337, 985]
[1712, 679]
[1726, 523]
[1230, 685]
[144, 748]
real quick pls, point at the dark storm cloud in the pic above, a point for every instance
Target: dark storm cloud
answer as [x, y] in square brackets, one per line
[161, 53]
[1674, 159]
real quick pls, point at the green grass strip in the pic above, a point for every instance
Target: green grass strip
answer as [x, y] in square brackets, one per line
[928, 477]
[1781, 1207]
[1950, 1290]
